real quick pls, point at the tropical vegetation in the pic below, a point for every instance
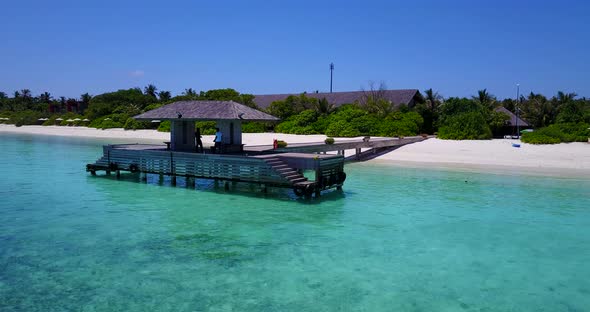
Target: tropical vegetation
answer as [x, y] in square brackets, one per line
[561, 118]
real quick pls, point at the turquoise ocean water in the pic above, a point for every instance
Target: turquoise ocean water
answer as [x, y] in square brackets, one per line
[394, 240]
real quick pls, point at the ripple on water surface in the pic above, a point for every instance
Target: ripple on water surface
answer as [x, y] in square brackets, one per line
[394, 239]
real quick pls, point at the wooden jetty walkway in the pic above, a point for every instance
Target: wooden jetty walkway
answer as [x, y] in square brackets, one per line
[281, 167]
[374, 146]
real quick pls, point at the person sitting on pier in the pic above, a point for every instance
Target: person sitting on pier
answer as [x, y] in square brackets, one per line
[217, 140]
[198, 140]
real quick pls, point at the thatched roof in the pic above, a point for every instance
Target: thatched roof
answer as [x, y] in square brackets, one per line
[512, 121]
[206, 110]
[398, 97]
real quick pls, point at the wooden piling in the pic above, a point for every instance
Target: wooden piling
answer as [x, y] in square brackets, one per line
[190, 182]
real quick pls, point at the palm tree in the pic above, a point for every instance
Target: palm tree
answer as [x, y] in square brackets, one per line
[3, 96]
[84, 102]
[190, 92]
[45, 97]
[485, 99]
[430, 110]
[323, 107]
[62, 103]
[151, 90]
[85, 98]
[26, 93]
[563, 98]
[433, 100]
[16, 94]
[165, 96]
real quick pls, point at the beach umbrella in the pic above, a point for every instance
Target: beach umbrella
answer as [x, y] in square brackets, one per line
[58, 119]
[69, 120]
[86, 119]
[107, 118]
[77, 119]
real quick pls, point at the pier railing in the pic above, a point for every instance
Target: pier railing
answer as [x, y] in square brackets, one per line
[228, 167]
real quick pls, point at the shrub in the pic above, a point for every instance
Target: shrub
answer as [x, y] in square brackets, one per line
[253, 127]
[465, 126]
[207, 127]
[539, 138]
[329, 141]
[366, 125]
[342, 128]
[108, 121]
[281, 144]
[26, 117]
[557, 133]
[165, 126]
[132, 124]
[108, 124]
[287, 126]
[397, 128]
[301, 123]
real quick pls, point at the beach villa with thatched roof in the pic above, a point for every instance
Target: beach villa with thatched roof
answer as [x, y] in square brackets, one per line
[512, 124]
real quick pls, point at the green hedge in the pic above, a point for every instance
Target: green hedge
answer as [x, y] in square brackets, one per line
[465, 126]
[132, 124]
[558, 133]
[351, 121]
[27, 117]
[165, 126]
[253, 127]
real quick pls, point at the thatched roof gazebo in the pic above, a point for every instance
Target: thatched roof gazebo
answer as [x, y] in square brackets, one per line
[228, 115]
[513, 119]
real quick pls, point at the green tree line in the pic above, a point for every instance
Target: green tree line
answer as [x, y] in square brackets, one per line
[561, 118]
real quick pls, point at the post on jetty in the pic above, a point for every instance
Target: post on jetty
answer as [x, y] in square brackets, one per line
[227, 161]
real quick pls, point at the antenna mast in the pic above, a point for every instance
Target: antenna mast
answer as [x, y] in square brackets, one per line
[331, 75]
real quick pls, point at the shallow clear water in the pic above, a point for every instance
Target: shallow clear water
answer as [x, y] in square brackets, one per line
[394, 240]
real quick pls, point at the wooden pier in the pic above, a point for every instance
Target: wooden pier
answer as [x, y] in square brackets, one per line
[372, 146]
[278, 170]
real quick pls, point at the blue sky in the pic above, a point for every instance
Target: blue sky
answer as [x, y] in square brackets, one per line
[261, 47]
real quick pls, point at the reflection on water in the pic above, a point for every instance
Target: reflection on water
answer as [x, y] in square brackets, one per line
[394, 239]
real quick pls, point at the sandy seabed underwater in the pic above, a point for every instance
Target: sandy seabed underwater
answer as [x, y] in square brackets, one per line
[395, 239]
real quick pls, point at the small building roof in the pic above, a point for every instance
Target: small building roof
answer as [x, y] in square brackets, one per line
[398, 97]
[206, 110]
[512, 121]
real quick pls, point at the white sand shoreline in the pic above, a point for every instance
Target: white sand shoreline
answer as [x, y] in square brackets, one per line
[492, 156]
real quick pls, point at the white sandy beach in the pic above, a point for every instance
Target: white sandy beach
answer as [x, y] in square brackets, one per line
[571, 159]
[566, 159]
